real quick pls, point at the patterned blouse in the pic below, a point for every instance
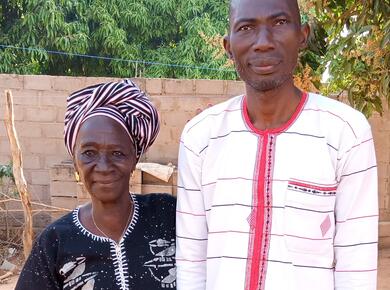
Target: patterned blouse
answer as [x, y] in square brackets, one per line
[68, 256]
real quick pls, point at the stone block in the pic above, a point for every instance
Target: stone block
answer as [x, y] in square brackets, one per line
[69, 84]
[52, 130]
[175, 119]
[179, 87]
[63, 188]
[53, 99]
[40, 177]
[81, 192]
[235, 88]
[140, 82]
[26, 97]
[154, 86]
[52, 160]
[61, 115]
[38, 82]
[11, 81]
[5, 147]
[18, 112]
[5, 158]
[42, 146]
[41, 114]
[382, 145]
[39, 193]
[31, 162]
[3, 130]
[90, 81]
[384, 229]
[28, 129]
[63, 172]
[62, 202]
[210, 87]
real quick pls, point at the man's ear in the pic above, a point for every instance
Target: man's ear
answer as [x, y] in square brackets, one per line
[305, 34]
[226, 45]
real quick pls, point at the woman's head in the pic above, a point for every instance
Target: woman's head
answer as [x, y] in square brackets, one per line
[104, 157]
[107, 128]
[122, 101]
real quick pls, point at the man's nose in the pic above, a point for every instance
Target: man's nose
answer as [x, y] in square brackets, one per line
[264, 39]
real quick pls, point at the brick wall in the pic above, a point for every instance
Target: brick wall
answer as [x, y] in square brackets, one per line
[40, 108]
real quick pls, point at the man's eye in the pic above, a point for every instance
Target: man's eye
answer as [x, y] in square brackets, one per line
[280, 22]
[244, 28]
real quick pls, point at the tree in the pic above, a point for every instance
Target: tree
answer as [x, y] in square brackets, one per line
[358, 50]
[157, 32]
[182, 39]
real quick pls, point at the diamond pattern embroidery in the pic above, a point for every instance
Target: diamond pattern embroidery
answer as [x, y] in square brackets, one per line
[252, 218]
[325, 225]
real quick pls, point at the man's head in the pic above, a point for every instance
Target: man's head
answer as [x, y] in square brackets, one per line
[264, 40]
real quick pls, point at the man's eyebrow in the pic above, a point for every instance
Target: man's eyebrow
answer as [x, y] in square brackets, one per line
[272, 16]
[239, 20]
[279, 14]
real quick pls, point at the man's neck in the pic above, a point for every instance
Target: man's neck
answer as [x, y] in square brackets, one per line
[272, 109]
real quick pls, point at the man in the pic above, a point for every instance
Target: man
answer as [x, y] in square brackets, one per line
[277, 188]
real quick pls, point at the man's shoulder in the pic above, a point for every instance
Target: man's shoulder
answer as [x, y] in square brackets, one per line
[333, 109]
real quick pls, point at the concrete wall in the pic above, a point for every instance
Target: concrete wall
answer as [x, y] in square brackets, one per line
[40, 106]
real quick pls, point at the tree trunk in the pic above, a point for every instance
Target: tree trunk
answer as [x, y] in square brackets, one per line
[20, 181]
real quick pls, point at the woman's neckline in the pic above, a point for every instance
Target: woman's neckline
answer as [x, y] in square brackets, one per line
[95, 237]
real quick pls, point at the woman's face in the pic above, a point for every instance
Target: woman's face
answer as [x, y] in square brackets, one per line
[104, 158]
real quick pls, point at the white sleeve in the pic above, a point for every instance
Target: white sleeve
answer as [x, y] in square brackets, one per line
[191, 225]
[356, 239]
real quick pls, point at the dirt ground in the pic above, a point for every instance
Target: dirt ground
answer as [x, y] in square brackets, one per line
[383, 273]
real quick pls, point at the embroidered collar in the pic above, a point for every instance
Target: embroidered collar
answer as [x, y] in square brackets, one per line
[130, 228]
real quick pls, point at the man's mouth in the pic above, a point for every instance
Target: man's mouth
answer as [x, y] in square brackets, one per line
[264, 66]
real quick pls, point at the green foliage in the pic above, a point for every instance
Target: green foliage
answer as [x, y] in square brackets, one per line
[6, 172]
[358, 50]
[350, 37]
[159, 31]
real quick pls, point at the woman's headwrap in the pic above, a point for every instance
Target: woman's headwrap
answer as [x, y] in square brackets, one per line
[122, 101]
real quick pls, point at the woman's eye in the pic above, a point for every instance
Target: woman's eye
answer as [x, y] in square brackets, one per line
[89, 153]
[280, 22]
[118, 154]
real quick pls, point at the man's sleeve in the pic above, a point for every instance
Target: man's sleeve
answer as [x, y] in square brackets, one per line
[38, 271]
[191, 225]
[356, 239]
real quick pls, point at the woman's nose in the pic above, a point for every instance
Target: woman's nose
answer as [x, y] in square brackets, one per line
[103, 163]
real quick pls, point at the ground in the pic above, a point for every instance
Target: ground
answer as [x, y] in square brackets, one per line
[383, 279]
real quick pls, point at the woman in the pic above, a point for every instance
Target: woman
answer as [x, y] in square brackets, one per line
[119, 240]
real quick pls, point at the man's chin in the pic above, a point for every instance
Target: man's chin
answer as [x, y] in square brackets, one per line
[266, 85]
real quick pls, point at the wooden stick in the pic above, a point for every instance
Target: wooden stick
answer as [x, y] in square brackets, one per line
[6, 275]
[20, 180]
[36, 203]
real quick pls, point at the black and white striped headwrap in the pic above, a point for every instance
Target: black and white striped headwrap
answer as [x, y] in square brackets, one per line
[122, 101]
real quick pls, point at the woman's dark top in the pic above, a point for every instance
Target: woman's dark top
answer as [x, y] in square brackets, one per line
[67, 256]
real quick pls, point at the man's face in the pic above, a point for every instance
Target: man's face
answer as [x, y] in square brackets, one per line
[264, 41]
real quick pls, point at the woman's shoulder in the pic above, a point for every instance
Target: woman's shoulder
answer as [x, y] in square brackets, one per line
[59, 227]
